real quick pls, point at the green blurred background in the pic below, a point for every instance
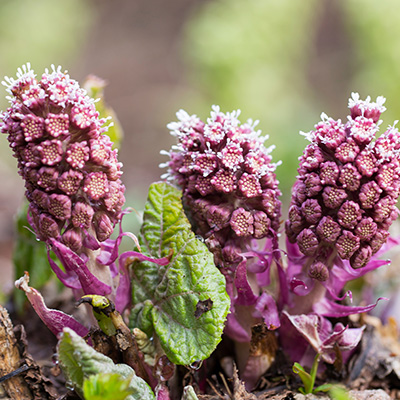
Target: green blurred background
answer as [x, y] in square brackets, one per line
[282, 62]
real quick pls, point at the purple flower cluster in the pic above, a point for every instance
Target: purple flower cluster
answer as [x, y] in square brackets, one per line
[228, 181]
[345, 196]
[71, 172]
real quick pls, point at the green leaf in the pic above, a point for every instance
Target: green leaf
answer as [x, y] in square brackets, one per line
[305, 377]
[189, 393]
[106, 387]
[326, 387]
[185, 302]
[338, 393]
[79, 362]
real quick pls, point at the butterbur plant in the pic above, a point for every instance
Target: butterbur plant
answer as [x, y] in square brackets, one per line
[207, 259]
[72, 180]
[231, 195]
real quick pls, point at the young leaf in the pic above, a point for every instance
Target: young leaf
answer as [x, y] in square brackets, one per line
[189, 393]
[338, 393]
[106, 387]
[79, 361]
[305, 377]
[185, 302]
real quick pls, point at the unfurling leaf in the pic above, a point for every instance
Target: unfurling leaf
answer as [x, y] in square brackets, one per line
[167, 298]
[79, 362]
[106, 387]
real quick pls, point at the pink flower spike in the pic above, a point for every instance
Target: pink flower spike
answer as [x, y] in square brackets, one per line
[296, 220]
[379, 240]
[41, 199]
[57, 124]
[387, 175]
[32, 126]
[242, 222]
[55, 320]
[363, 130]
[96, 185]
[115, 199]
[50, 152]
[312, 157]
[254, 162]
[204, 185]
[218, 216]
[30, 157]
[60, 206]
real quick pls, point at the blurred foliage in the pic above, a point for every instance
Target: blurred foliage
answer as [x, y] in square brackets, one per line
[254, 57]
[43, 32]
[374, 27]
[106, 387]
[257, 56]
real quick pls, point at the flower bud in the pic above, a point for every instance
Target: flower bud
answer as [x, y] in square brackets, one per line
[71, 171]
[345, 195]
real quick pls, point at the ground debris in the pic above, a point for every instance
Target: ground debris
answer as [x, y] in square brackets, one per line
[378, 363]
[29, 383]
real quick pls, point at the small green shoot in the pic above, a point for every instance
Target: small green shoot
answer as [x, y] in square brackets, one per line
[338, 393]
[308, 379]
[106, 386]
